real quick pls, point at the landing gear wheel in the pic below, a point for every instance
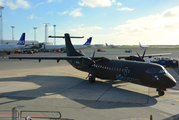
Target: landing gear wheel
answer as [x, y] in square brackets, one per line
[91, 79]
[8, 53]
[168, 64]
[160, 92]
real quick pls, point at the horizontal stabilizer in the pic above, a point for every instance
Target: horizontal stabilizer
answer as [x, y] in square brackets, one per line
[63, 37]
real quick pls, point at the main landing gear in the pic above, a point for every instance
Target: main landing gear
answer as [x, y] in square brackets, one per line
[91, 79]
[161, 91]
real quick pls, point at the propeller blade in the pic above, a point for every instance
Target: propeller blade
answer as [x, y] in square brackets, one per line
[93, 62]
[93, 55]
[138, 55]
[144, 54]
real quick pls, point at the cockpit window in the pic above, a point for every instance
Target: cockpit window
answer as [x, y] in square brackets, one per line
[155, 70]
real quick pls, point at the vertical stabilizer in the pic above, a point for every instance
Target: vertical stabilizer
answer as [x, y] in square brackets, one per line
[69, 47]
[140, 45]
[22, 40]
[88, 42]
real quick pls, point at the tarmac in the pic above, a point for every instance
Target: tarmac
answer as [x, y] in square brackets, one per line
[51, 86]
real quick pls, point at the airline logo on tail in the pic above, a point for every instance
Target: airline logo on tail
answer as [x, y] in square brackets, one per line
[22, 40]
[88, 42]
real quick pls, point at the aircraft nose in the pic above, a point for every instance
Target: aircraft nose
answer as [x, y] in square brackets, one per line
[171, 82]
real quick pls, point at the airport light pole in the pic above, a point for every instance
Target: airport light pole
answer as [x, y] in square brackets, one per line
[1, 26]
[54, 35]
[46, 31]
[35, 33]
[12, 32]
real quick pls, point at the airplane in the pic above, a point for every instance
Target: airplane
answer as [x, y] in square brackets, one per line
[139, 58]
[13, 47]
[113, 46]
[62, 47]
[141, 73]
[142, 46]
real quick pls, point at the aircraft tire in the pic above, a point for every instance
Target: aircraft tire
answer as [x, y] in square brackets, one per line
[91, 79]
[161, 93]
[8, 53]
[167, 64]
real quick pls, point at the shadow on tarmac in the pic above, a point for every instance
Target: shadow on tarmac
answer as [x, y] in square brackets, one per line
[174, 117]
[98, 95]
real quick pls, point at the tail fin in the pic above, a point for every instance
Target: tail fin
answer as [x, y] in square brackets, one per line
[140, 44]
[88, 42]
[22, 40]
[69, 47]
[106, 44]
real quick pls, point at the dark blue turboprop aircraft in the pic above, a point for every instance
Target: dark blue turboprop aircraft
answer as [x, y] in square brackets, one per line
[146, 74]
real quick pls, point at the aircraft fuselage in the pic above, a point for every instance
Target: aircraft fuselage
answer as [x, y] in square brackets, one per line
[151, 75]
[11, 47]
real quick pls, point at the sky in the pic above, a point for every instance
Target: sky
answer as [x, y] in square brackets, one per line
[118, 22]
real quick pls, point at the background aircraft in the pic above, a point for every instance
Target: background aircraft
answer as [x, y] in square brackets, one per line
[13, 47]
[63, 48]
[113, 46]
[141, 57]
[142, 46]
[146, 74]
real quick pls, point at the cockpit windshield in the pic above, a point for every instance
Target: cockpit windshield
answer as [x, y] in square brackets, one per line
[156, 70]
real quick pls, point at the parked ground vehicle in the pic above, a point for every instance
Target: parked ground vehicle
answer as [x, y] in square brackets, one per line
[128, 51]
[164, 61]
[100, 50]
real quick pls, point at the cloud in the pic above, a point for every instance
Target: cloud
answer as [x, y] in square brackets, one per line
[50, 1]
[126, 9]
[63, 13]
[171, 12]
[38, 4]
[1, 2]
[96, 3]
[81, 30]
[33, 17]
[50, 12]
[119, 3]
[168, 19]
[19, 4]
[76, 12]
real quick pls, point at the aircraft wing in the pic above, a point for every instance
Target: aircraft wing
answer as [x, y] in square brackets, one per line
[55, 58]
[146, 55]
[154, 55]
[49, 58]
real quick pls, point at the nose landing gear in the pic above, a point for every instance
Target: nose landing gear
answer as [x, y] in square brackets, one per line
[161, 91]
[91, 79]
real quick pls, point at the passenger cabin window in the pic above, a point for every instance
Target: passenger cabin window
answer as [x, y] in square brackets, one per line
[155, 70]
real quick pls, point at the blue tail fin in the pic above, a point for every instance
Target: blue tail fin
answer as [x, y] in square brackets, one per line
[88, 42]
[22, 40]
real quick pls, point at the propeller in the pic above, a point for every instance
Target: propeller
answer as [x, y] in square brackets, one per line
[90, 65]
[141, 58]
